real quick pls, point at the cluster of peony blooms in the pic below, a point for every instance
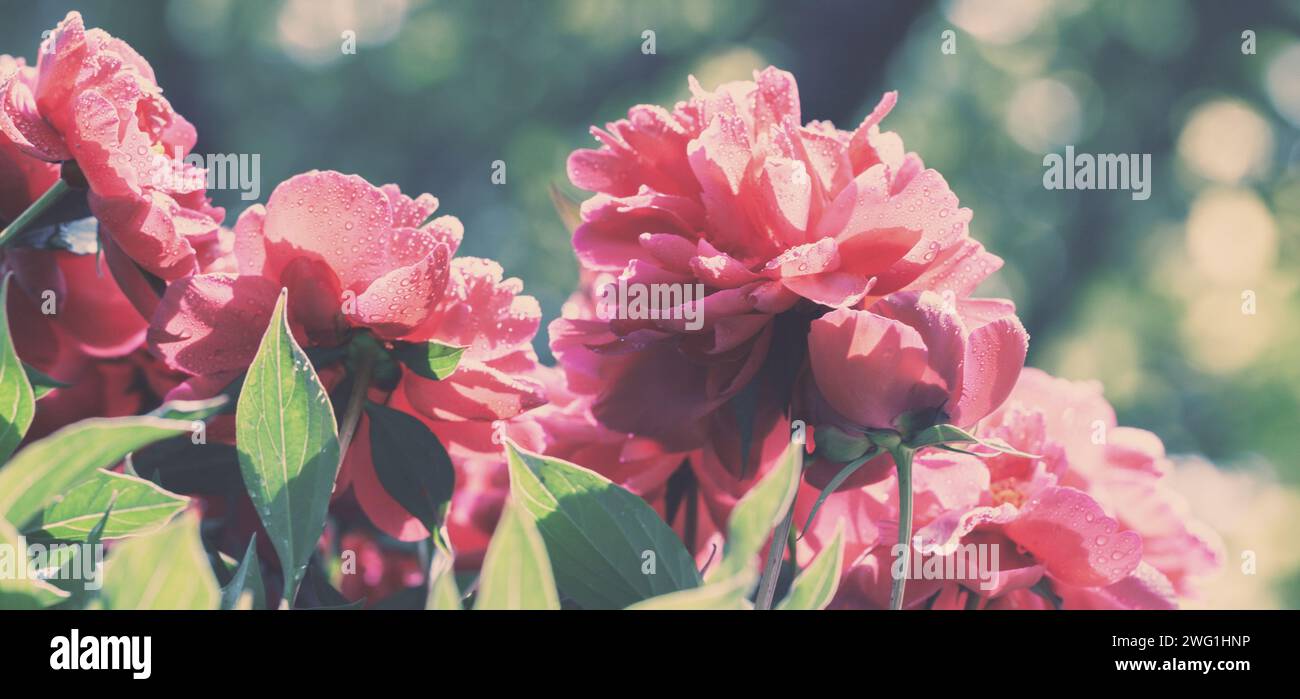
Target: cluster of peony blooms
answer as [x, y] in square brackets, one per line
[838, 274]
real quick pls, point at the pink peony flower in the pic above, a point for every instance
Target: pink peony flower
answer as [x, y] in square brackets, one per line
[914, 352]
[352, 256]
[496, 383]
[64, 300]
[93, 100]
[1124, 468]
[362, 257]
[358, 257]
[23, 179]
[72, 322]
[732, 191]
[1058, 526]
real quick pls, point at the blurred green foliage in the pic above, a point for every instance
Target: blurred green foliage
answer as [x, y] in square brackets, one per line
[1110, 288]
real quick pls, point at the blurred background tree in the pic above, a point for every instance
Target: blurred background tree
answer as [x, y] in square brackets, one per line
[1146, 296]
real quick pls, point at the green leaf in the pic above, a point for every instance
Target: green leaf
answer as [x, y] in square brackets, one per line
[138, 507]
[16, 590]
[73, 570]
[247, 580]
[193, 409]
[848, 470]
[48, 467]
[67, 225]
[432, 360]
[816, 585]
[163, 570]
[288, 447]
[411, 464]
[17, 400]
[942, 435]
[443, 594]
[728, 593]
[41, 382]
[758, 512]
[516, 572]
[599, 536]
[180, 465]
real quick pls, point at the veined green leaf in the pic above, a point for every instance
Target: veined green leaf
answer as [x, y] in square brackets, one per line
[816, 584]
[608, 547]
[138, 507]
[48, 467]
[516, 572]
[288, 446]
[163, 570]
[17, 400]
[17, 591]
[431, 360]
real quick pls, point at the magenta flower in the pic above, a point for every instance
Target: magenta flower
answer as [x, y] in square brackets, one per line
[497, 382]
[93, 100]
[913, 353]
[23, 178]
[731, 190]
[358, 257]
[352, 256]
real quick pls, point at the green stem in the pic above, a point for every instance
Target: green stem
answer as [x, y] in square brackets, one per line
[51, 195]
[776, 552]
[903, 460]
[772, 566]
[362, 371]
[361, 374]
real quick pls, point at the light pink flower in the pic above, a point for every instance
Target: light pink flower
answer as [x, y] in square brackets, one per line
[1087, 517]
[1124, 468]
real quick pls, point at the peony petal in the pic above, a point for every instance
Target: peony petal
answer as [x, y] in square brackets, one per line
[475, 391]
[1071, 535]
[400, 300]
[995, 354]
[212, 323]
[152, 231]
[870, 369]
[482, 311]
[1146, 588]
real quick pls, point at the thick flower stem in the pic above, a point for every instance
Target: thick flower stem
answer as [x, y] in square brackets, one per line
[362, 370]
[51, 195]
[903, 460]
